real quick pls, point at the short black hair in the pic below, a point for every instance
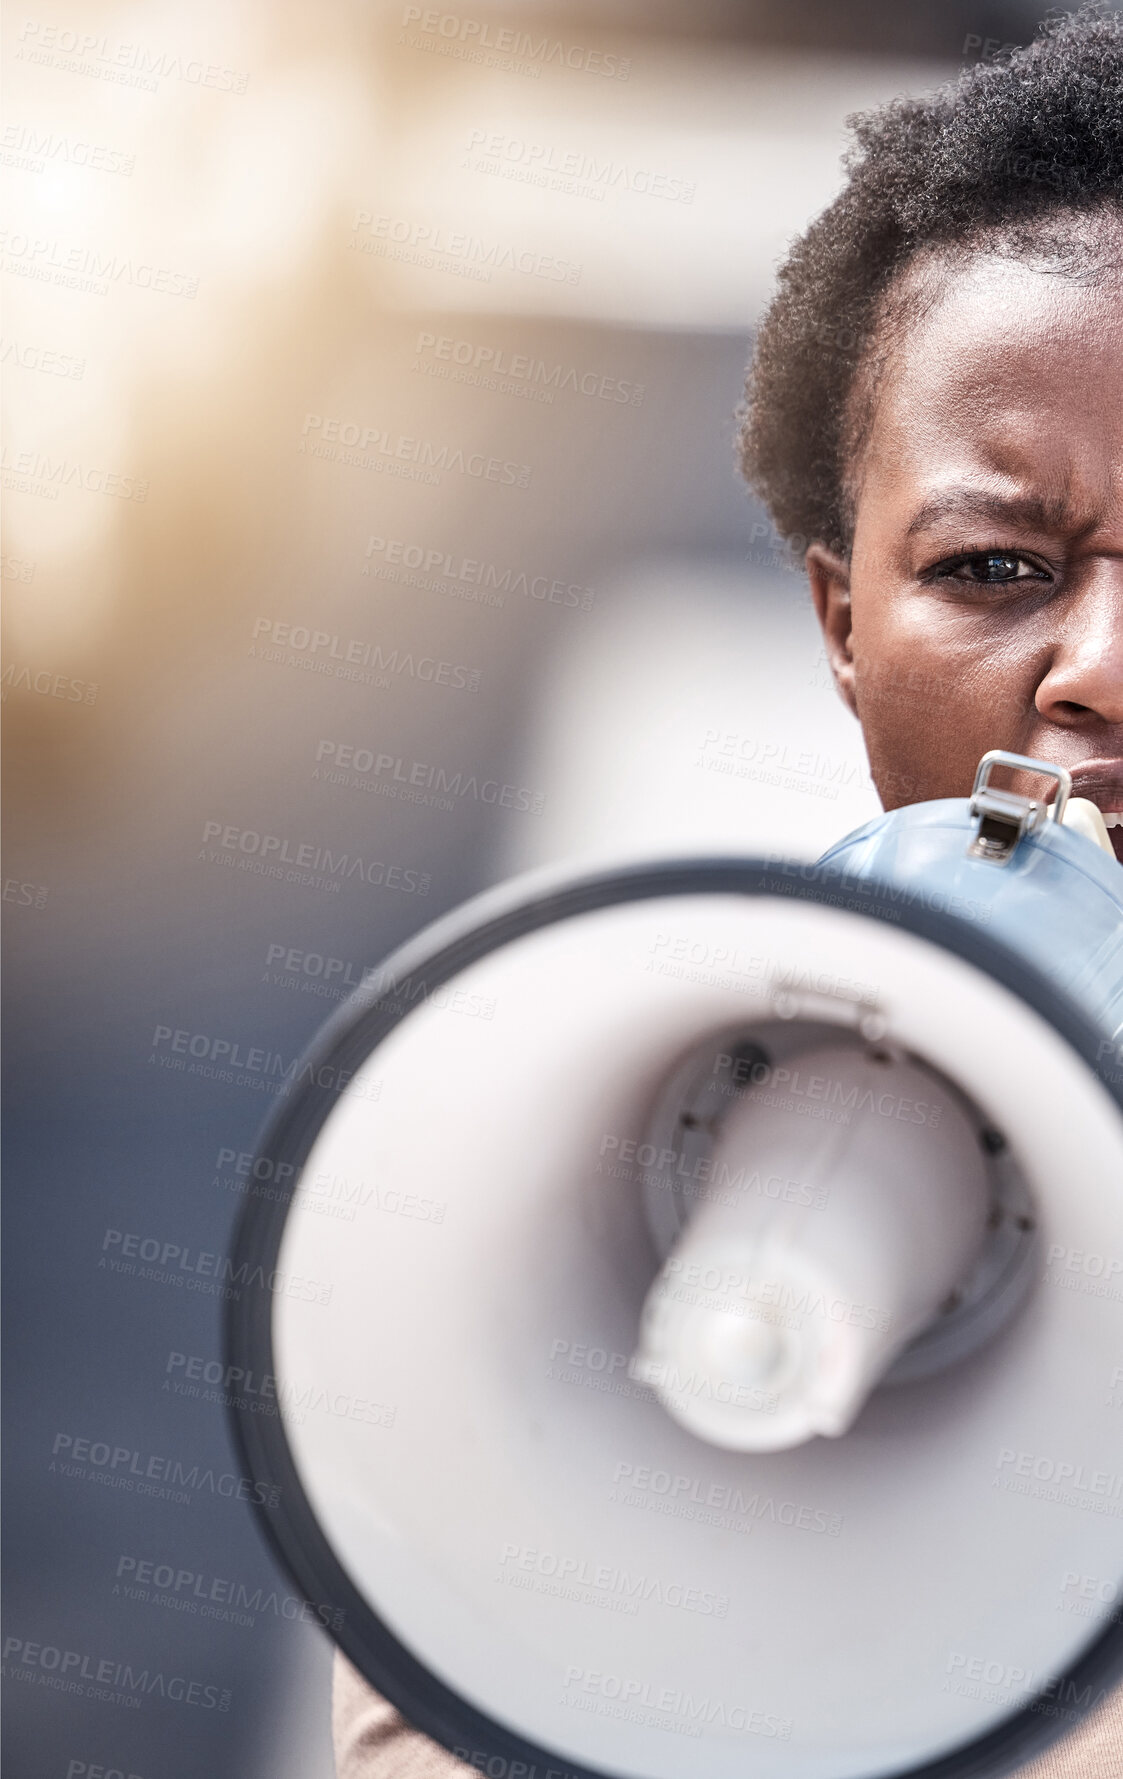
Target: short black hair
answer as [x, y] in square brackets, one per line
[1002, 150]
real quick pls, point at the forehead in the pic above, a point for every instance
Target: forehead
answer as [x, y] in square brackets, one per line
[1001, 367]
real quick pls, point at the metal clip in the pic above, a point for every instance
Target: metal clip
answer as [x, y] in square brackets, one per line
[1003, 816]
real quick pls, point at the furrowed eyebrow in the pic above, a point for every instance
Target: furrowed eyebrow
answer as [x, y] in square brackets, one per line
[1035, 512]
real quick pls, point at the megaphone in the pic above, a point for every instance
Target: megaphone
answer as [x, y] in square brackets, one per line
[693, 1308]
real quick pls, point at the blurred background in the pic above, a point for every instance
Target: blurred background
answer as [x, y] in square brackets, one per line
[372, 533]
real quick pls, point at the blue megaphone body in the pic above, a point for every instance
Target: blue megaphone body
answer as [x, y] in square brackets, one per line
[1042, 889]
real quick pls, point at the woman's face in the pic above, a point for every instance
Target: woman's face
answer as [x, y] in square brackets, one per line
[983, 603]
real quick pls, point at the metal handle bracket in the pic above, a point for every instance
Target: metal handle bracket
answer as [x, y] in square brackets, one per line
[1004, 817]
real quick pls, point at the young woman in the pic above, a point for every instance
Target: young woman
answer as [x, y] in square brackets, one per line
[934, 416]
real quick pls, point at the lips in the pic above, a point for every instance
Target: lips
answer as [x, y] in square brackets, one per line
[1101, 781]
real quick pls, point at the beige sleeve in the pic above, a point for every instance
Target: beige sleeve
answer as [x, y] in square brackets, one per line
[372, 1741]
[1093, 1750]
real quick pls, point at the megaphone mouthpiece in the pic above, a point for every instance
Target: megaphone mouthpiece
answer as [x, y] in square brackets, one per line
[792, 1313]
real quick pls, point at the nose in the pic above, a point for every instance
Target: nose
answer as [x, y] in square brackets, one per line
[1084, 679]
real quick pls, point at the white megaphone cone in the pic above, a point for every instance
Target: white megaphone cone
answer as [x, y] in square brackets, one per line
[693, 1316]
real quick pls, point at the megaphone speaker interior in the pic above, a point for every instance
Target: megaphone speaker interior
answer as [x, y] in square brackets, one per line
[693, 1298]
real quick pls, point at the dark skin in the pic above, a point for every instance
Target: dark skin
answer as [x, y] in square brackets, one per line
[982, 604]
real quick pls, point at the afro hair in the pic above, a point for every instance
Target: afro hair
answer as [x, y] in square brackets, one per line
[1003, 152]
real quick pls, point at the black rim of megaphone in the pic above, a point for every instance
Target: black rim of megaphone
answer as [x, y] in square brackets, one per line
[343, 1044]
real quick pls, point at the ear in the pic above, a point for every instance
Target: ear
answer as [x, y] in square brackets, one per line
[829, 576]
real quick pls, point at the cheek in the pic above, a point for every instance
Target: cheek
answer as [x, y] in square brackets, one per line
[935, 689]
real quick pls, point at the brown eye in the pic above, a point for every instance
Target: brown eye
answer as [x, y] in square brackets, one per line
[994, 566]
